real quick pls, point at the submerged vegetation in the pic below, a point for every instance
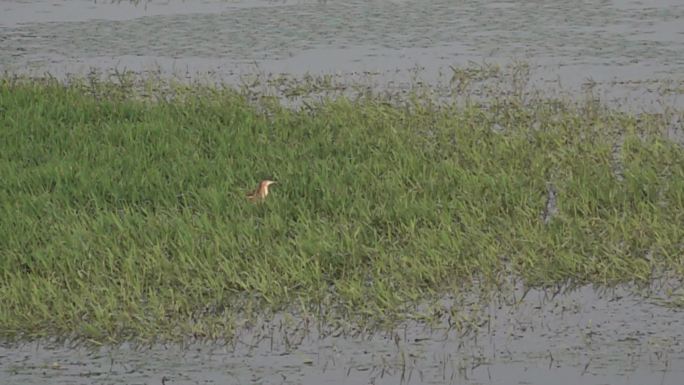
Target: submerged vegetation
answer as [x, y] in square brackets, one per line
[123, 212]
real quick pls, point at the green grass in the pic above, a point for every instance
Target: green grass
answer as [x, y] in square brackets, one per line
[125, 218]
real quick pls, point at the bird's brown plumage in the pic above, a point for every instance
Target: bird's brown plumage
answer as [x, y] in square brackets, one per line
[261, 192]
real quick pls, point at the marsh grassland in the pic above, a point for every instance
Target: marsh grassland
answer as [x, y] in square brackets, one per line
[123, 212]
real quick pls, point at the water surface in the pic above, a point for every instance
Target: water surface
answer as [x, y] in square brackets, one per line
[586, 336]
[625, 44]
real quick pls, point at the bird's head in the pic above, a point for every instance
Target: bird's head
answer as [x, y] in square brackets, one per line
[263, 186]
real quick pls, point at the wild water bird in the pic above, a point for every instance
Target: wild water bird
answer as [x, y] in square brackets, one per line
[261, 192]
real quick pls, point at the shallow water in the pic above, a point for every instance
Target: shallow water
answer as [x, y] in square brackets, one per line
[628, 45]
[581, 337]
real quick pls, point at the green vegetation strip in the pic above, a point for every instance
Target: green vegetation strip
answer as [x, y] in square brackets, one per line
[123, 217]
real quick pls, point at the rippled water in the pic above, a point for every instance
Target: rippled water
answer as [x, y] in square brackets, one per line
[581, 337]
[617, 42]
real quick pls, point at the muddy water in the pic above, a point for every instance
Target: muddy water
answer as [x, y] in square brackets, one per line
[630, 45]
[581, 337]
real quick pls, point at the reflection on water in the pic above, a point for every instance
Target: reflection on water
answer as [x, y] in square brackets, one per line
[580, 337]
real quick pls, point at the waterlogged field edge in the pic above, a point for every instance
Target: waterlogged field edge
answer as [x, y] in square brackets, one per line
[124, 213]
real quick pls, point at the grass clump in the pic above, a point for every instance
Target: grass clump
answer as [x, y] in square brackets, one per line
[123, 217]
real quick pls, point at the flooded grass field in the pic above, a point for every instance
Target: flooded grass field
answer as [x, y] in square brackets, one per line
[468, 192]
[580, 336]
[125, 219]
